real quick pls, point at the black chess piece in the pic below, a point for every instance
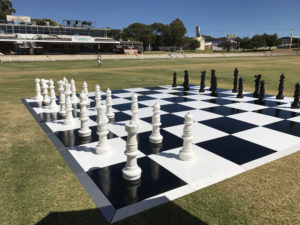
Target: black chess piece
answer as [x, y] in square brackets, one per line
[261, 96]
[257, 83]
[281, 87]
[240, 94]
[235, 74]
[202, 83]
[214, 86]
[296, 104]
[174, 80]
[186, 86]
[213, 74]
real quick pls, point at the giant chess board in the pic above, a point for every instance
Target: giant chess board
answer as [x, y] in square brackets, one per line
[231, 135]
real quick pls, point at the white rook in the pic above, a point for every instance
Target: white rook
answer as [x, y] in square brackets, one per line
[131, 171]
[109, 112]
[84, 130]
[102, 147]
[187, 153]
[69, 117]
[38, 96]
[155, 136]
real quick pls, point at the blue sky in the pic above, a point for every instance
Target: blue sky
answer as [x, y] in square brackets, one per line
[216, 18]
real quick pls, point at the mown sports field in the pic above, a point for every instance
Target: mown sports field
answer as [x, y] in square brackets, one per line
[37, 187]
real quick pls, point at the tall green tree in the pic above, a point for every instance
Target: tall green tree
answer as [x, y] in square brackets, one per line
[177, 31]
[6, 8]
[190, 43]
[246, 43]
[161, 34]
[226, 45]
[139, 32]
[258, 41]
[271, 40]
[116, 34]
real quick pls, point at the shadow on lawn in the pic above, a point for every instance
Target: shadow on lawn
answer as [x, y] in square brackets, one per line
[168, 213]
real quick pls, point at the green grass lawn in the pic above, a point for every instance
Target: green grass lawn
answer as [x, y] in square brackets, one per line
[37, 187]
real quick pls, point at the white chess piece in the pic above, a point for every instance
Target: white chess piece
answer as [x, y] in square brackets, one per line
[109, 112]
[102, 147]
[131, 171]
[62, 99]
[65, 80]
[69, 116]
[187, 153]
[155, 136]
[38, 96]
[84, 130]
[135, 109]
[45, 86]
[53, 105]
[85, 91]
[74, 98]
[97, 96]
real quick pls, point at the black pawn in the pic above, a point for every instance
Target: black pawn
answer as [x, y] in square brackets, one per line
[257, 83]
[214, 87]
[213, 74]
[174, 80]
[240, 94]
[261, 96]
[202, 83]
[281, 87]
[295, 104]
[186, 86]
[235, 74]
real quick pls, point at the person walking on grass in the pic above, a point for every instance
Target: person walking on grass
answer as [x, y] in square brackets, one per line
[99, 59]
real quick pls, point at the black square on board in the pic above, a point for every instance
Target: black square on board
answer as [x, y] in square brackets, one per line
[283, 114]
[178, 99]
[228, 125]
[155, 88]
[170, 141]
[172, 108]
[148, 92]
[286, 126]
[70, 138]
[119, 116]
[222, 110]
[141, 98]
[235, 149]
[154, 180]
[167, 120]
[220, 101]
[127, 106]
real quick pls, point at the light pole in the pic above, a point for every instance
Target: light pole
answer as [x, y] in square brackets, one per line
[291, 37]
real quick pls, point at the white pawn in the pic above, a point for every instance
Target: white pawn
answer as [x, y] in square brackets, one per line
[155, 136]
[135, 109]
[187, 153]
[38, 96]
[102, 147]
[45, 86]
[62, 99]
[131, 171]
[69, 116]
[97, 96]
[53, 105]
[74, 98]
[85, 91]
[84, 130]
[109, 112]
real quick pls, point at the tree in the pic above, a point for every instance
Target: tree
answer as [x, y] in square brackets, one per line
[258, 41]
[190, 43]
[6, 8]
[177, 31]
[43, 22]
[161, 33]
[271, 40]
[225, 45]
[139, 32]
[246, 43]
[116, 34]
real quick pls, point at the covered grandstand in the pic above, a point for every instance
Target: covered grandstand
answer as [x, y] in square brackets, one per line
[73, 37]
